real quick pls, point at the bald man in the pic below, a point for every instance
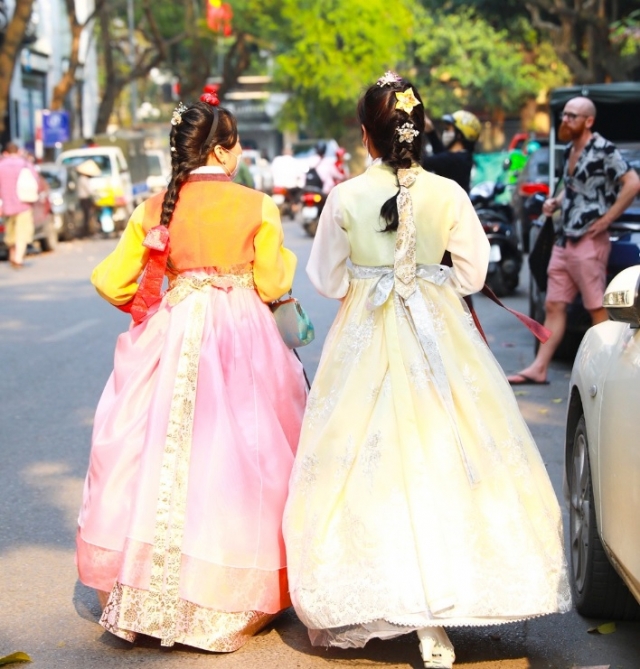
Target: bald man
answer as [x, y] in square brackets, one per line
[598, 186]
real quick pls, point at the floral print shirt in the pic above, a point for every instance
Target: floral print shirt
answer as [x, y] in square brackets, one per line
[593, 187]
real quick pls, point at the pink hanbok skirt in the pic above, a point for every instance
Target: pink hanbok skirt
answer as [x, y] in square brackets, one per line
[193, 444]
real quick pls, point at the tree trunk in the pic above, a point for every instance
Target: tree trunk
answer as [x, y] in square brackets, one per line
[114, 84]
[10, 51]
[68, 80]
[581, 36]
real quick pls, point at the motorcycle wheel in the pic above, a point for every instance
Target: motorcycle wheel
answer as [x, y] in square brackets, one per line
[496, 281]
[310, 227]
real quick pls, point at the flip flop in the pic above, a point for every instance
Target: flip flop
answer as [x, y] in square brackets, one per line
[526, 381]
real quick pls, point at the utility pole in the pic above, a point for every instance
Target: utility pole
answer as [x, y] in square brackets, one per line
[132, 61]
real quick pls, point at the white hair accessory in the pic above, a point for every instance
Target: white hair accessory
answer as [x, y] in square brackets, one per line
[176, 117]
[389, 78]
[407, 132]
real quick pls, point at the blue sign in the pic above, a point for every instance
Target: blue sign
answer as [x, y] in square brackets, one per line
[55, 127]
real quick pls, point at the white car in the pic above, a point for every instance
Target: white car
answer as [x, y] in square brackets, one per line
[602, 459]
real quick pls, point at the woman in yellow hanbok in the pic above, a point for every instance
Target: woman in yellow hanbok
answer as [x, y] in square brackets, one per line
[418, 499]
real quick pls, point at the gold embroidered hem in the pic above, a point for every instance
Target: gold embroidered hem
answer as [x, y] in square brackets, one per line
[186, 284]
[217, 631]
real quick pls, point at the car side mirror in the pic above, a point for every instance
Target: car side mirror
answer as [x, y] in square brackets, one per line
[622, 297]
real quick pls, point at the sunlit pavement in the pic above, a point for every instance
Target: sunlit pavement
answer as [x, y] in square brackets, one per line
[56, 349]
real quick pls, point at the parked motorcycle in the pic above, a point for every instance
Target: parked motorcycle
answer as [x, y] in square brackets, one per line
[505, 258]
[313, 201]
[287, 199]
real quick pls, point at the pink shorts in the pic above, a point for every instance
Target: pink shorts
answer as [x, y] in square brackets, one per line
[579, 267]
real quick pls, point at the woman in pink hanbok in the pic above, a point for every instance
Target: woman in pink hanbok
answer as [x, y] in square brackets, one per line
[195, 433]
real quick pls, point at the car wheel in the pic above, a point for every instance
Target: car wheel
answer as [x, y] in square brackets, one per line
[50, 240]
[598, 590]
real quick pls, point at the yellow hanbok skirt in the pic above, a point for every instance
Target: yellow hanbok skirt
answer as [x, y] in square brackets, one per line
[418, 496]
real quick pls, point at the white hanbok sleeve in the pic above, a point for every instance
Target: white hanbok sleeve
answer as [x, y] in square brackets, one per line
[327, 266]
[469, 248]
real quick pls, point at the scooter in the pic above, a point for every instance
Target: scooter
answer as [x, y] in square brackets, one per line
[505, 258]
[106, 219]
[287, 199]
[313, 201]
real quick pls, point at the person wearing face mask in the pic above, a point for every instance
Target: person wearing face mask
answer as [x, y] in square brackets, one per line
[452, 155]
[195, 433]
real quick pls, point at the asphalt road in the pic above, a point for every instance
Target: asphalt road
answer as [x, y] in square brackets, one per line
[56, 350]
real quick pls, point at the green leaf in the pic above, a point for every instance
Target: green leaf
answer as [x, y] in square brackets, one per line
[605, 628]
[13, 658]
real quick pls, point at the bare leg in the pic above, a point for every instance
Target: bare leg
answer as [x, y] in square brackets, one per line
[599, 315]
[556, 321]
[19, 251]
[435, 648]
[103, 597]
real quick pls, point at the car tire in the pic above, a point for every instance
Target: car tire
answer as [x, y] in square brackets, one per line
[50, 240]
[598, 590]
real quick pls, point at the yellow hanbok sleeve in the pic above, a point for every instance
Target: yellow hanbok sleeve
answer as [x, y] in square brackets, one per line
[115, 278]
[273, 265]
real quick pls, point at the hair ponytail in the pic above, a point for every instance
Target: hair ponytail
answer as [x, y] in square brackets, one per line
[377, 112]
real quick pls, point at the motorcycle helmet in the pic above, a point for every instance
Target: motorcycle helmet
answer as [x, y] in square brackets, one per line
[466, 123]
[321, 148]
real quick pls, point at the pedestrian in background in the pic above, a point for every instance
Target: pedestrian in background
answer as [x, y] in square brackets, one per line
[598, 186]
[326, 168]
[452, 155]
[86, 170]
[195, 433]
[18, 214]
[244, 176]
[418, 499]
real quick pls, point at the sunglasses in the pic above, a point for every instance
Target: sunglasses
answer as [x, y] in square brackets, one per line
[571, 116]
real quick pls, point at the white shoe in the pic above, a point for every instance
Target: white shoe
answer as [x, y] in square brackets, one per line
[435, 648]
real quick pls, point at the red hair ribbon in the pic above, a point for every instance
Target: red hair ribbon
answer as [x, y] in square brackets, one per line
[210, 99]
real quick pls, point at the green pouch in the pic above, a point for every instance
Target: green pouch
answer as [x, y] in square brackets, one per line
[293, 322]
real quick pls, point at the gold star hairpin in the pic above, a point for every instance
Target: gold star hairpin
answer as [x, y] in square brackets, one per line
[406, 101]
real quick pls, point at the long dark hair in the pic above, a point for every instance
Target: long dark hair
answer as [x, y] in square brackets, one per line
[191, 144]
[378, 114]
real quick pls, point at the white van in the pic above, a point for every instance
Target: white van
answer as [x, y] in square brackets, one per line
[113, 188]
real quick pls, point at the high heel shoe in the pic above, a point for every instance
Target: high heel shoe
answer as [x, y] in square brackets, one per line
[435, 648]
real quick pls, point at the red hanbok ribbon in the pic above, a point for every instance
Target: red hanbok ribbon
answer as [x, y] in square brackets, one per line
[150, 287]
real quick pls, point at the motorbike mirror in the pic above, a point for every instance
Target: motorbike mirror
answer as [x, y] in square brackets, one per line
[499, 189]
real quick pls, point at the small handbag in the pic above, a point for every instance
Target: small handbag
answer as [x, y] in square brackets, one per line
[541, 253]
[293, 321]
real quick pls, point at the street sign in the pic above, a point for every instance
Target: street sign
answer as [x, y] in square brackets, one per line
[55, 127]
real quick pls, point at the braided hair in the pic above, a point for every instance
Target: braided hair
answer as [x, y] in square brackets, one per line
[378, 114]
[191, 142]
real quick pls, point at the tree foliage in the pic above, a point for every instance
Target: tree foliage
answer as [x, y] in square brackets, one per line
[598, 40]
[462, 61]
[330, 51]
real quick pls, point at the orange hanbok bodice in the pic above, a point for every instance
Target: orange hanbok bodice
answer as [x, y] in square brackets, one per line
[216, 224]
